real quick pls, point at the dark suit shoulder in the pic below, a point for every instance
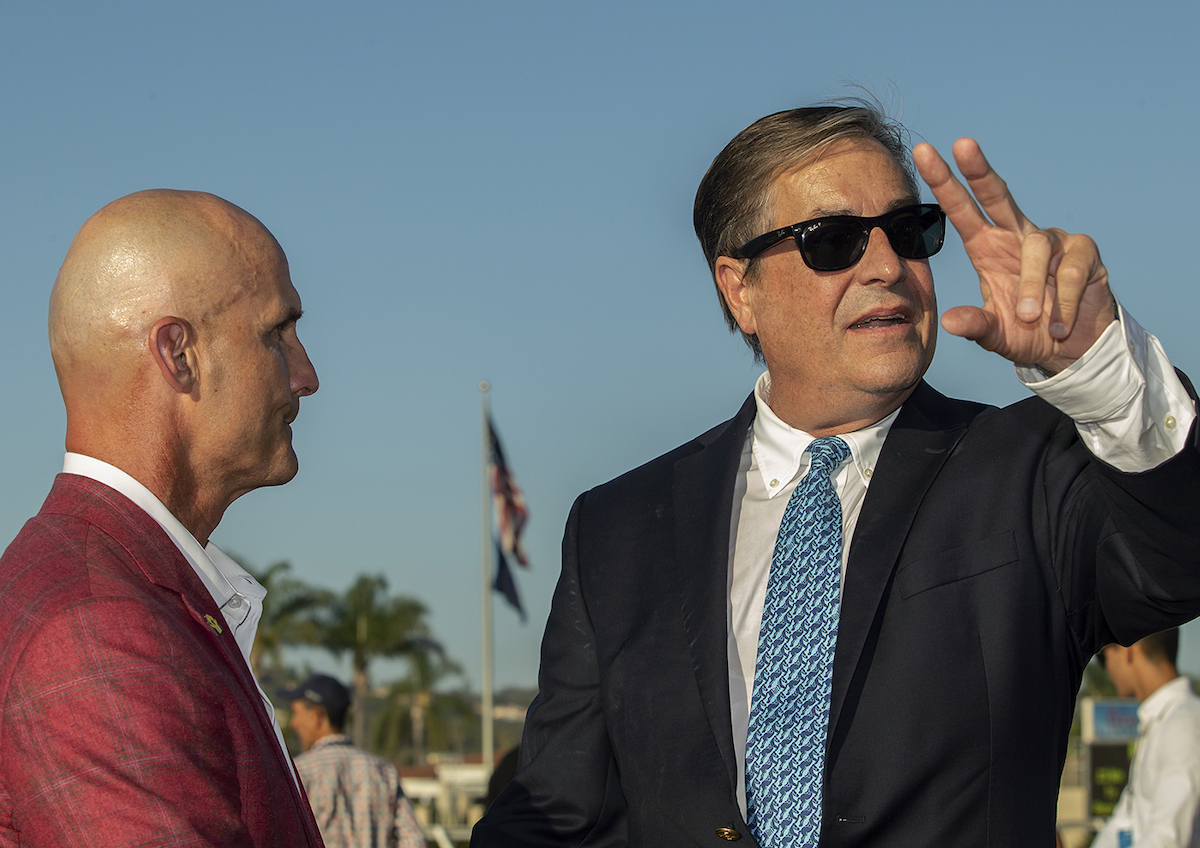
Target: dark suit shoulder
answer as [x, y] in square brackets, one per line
[1031, 420]
[927, 408]
[658, 473]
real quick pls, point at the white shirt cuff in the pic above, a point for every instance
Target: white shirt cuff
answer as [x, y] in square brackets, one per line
[1124, 396]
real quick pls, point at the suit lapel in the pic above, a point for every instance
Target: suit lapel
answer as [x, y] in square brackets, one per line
[161, 562]
[703, 501]
[917, 446]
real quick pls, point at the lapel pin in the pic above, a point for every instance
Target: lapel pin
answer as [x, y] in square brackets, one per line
[212, 622]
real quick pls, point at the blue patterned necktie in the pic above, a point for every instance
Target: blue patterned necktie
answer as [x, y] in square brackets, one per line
[789, 714]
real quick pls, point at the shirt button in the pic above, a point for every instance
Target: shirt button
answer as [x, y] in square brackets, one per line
[867, 473]
[728, 834]
[235, 602]
[774, 483]
[1169, 422]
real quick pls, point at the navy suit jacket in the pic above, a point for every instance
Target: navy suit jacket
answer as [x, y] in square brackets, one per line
[992, 557]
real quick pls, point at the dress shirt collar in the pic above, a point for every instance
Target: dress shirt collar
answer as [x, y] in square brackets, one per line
[779, 448]
[205, 561]
[234, 590]
[1161, 701]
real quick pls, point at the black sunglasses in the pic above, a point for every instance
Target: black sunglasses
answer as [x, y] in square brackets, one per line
[837, 242]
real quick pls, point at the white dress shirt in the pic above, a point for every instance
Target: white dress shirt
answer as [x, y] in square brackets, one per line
[1159, 804]
[1127, 403]
[238, 595]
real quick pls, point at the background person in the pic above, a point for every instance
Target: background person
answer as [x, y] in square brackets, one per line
[1158, 807]
[884, 649]
[128, 712]
[355, 796]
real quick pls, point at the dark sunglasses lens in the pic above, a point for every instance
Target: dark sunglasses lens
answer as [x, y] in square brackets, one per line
[832, 245]
[916, 233]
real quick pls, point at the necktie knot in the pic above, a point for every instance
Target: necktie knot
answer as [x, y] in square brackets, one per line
[828, 452]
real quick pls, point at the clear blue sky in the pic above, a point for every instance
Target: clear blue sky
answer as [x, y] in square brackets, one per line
[502, 191]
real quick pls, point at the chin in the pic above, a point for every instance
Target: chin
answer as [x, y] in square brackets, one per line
[284, 470]
[895, 376]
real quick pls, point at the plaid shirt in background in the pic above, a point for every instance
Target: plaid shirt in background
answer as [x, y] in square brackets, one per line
[356, 797]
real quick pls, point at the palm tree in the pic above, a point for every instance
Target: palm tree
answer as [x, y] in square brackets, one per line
[370, 625]
[414, 710]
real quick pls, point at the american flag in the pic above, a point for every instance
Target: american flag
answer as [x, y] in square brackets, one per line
[507, 500]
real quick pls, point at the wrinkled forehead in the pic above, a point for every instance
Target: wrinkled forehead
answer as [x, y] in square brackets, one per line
[857, 168]
[255, 278]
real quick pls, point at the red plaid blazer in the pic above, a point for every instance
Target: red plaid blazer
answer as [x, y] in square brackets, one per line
[126, 718]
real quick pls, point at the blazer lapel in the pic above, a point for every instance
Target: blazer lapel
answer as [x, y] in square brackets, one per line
[703, 502]
[917, 446]
[162, 564]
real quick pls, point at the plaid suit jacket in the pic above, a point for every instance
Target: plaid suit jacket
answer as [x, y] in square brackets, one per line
[126, 717]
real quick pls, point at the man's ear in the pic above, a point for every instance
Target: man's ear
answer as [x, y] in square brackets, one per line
[730, 275]
[173, 346]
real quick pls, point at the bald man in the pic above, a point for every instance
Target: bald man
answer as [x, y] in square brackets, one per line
[128, 713]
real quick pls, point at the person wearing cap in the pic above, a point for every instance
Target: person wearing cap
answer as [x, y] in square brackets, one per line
[355, 796]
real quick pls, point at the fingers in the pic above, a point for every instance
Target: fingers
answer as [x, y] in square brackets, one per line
[1065, 265]
[959, 205]
[1078, 267]
[990, 191]
[1036, 250]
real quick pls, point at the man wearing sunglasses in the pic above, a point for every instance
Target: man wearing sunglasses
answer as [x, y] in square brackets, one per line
[884, 651]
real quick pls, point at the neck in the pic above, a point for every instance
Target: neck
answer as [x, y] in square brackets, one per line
[325, 733]
[161, 471]
[1153, 679]
[833, 414]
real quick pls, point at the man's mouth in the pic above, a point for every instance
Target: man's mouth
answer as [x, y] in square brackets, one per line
[880, 321]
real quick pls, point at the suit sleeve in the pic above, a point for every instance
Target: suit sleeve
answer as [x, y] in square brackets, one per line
[114, 736]
[567, 791]
[1148, 557]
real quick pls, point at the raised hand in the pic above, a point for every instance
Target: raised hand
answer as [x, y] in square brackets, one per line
[1045, 292]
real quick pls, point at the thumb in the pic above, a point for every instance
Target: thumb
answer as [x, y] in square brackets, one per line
[969, 322]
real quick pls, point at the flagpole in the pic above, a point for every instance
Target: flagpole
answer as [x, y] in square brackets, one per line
[489, 753]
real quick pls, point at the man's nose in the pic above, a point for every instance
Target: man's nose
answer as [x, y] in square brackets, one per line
[880, 260]
[303, 374]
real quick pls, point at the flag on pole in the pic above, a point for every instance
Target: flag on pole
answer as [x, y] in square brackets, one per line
[508, 507]
[508, 502]
[505, 584]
